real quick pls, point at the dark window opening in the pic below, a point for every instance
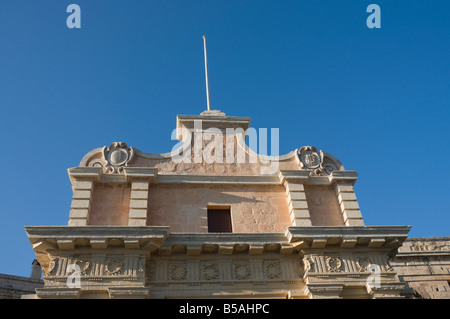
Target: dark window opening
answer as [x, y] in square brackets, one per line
[219, 220]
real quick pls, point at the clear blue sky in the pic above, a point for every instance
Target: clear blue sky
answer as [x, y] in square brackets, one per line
[377, 99]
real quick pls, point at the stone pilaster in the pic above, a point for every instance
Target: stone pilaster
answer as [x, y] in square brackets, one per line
[349, 206]
[295, 191]
[81, 203]
[140, 179]
[83, 180]
[138, 203]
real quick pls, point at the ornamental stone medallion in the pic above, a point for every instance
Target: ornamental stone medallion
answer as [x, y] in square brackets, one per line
[114, 266]
[210, 272]
[334, 264]
[363, 263]
[310, 157]
[241, 271]
[272, 270]
[177, 272]
[317, 161]
[117, 155]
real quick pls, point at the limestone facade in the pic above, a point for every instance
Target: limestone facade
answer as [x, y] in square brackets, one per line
[138, 224]
[424, 265]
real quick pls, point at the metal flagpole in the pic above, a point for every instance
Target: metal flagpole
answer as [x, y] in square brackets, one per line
[206, 74]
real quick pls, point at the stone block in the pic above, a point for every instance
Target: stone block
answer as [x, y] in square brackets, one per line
[139, 185]
[346, 197]
[82, 194]
[79, 213]
[138, 194]
[298, 205]
[297, 196]
[300, 213]
[352, 213]
[294, 187]
[344, 189]
[77, 222]
[83, 185]
[137, 222]
[138, 203]
[80, 203]
[302, 222]
[349, 205]
[354, 222]
[138, 213]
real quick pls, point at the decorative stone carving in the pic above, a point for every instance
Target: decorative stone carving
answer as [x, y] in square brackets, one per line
[387, 265]
[117, 156]
[299, 267]
[114, 266]
[150, 269]
[309, 264]
[141, 266]
[84, 266]
[333, 264]
[429, 246]
[272, 270]
[363, 263]
[52, 266]
[241, 271]
[328, 166]
[319, 162]
[177, 272]
[210, 272]
[310, 157]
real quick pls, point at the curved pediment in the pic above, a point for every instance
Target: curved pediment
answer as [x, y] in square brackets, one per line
[213, 145]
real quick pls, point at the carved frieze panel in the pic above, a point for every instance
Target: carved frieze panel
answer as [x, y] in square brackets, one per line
[177, 271]
[363, 263]
[210, 271]
[348, 263]
[241, 271]
[94, 268]
[189, 271]
[426, 246]
[114, 266]
[272, 269]
[84, 266]
[334, 264]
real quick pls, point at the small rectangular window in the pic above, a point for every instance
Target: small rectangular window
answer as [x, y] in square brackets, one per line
[219, 220]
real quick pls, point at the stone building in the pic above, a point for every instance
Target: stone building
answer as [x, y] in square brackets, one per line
[214, 219]
[14, 287]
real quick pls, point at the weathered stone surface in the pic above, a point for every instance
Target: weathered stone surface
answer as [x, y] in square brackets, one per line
[138, 226]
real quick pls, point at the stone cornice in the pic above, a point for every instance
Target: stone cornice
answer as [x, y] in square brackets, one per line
[425, 246]
[213, 179]
[343, 177]
[320, 237]
[44, 238]
[226, 243]
[158, 239]
[96, 174]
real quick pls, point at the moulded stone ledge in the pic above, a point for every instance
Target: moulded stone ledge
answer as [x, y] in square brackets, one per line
[390, 237]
